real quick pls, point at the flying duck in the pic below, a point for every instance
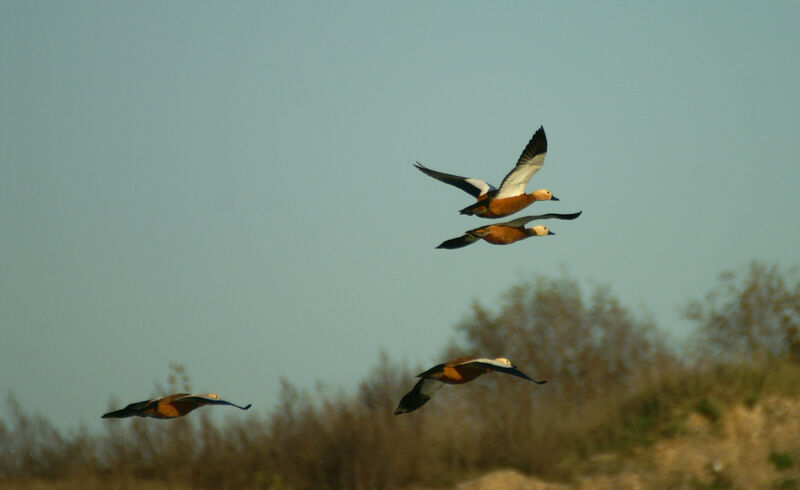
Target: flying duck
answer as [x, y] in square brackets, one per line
[507, 232]
[170, 407]
[457, 371]
[511, 196]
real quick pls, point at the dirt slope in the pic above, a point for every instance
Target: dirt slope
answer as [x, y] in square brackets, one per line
[746, 448]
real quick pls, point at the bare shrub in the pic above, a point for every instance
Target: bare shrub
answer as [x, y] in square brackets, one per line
[750, 315]
[592, 352]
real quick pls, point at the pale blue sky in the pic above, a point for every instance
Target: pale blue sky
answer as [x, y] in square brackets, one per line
[230, 186]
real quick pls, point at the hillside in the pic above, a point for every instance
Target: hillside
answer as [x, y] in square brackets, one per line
[746, 447]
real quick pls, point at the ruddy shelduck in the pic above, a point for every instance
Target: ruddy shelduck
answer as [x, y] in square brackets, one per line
[511, 196]
[170, 407]
[507, 232]
[457, 371]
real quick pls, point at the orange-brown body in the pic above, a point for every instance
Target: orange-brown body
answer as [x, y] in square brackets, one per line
[502, 235]
[497, 208]
[166, 408]
[456, 375]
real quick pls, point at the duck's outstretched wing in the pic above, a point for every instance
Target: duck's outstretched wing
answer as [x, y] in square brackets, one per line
[530, 162]
[473, 187]
[516, 223]
[429, 372]
[459, 242]
[494, 365]
[132, 410]
[419, 395]
[210, 399]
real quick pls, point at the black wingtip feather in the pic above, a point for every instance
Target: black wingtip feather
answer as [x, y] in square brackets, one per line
[458, 242]
[536, 146]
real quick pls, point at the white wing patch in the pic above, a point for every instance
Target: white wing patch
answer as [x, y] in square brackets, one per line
[493, 362]
[429, 386]
[482, 186]
[474, 187]
[515, 182]
[204, 396]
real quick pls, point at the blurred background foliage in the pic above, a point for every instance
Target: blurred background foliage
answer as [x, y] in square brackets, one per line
[615, 383]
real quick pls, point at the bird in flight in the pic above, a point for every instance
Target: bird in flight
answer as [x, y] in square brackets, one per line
[170, 407]
[511, 196]
[457, 371]
[507, 232]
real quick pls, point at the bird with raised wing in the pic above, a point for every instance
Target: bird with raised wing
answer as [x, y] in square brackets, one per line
[457, 371]
[507, 232]
[510, 197]
[170, 407]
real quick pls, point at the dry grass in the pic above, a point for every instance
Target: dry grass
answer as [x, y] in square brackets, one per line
[356, 442]
[91, 483]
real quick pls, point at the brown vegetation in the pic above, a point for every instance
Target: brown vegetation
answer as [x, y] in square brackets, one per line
[614, 387]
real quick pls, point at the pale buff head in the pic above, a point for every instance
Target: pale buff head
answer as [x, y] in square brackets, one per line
[504, 361]
[540, 230]
[543, 195]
